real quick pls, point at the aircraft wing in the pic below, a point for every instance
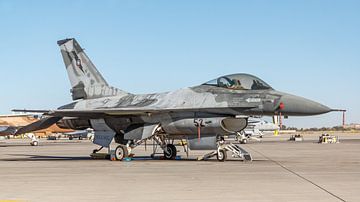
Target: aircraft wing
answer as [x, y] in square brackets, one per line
[55, 115]
[98, 113]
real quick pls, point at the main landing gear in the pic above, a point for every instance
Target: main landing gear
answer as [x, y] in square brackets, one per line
[221, 155]
[168, 147]
[123, 151]
[120, 152]
[170, 152]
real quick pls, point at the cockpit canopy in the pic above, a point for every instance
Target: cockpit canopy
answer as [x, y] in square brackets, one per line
[239, 82]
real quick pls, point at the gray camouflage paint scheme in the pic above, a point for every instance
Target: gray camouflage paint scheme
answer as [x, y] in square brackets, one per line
[216, 109]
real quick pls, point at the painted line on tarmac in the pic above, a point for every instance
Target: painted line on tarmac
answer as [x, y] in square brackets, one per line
[300, 176]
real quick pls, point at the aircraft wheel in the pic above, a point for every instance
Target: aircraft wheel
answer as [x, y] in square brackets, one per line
[121, 152]
[244, 141]
[34, 143]
[221, 155]
[80, 138]
[170, 152]
[71, 137]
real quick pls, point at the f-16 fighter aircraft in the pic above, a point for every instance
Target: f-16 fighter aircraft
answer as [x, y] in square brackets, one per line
[201, 114]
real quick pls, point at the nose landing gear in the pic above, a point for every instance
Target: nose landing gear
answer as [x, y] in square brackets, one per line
[223, 148]
[221, 155]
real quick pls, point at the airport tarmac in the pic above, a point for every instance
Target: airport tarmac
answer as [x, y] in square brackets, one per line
[62, 170]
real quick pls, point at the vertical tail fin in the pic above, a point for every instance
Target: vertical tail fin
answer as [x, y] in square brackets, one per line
[86, 81]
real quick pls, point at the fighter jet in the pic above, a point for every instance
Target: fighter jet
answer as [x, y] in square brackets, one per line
[201, 114]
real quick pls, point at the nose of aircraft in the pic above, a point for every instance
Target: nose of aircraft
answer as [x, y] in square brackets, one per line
[298, 106]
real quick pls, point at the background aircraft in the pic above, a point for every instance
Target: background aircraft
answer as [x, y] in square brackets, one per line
[9, 125]
[256, 129]
[201, 114]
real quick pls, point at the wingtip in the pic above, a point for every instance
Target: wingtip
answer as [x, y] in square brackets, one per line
[31, 111]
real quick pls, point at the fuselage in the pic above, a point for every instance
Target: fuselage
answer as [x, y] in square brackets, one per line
[235, 102]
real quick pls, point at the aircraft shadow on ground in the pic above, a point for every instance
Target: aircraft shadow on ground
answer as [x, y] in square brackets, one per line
[40, 145]
[147, 158]
[15, 145]
[26, 157]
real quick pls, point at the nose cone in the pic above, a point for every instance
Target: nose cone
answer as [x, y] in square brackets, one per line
[298, 106]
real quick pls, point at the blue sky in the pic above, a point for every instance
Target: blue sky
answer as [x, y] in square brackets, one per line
[308, 48]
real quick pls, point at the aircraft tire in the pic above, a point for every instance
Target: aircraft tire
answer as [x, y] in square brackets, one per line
[244, 141]
[170, 152]
[34, 143]
[71, 137]
[221, 156]
[121, 152]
